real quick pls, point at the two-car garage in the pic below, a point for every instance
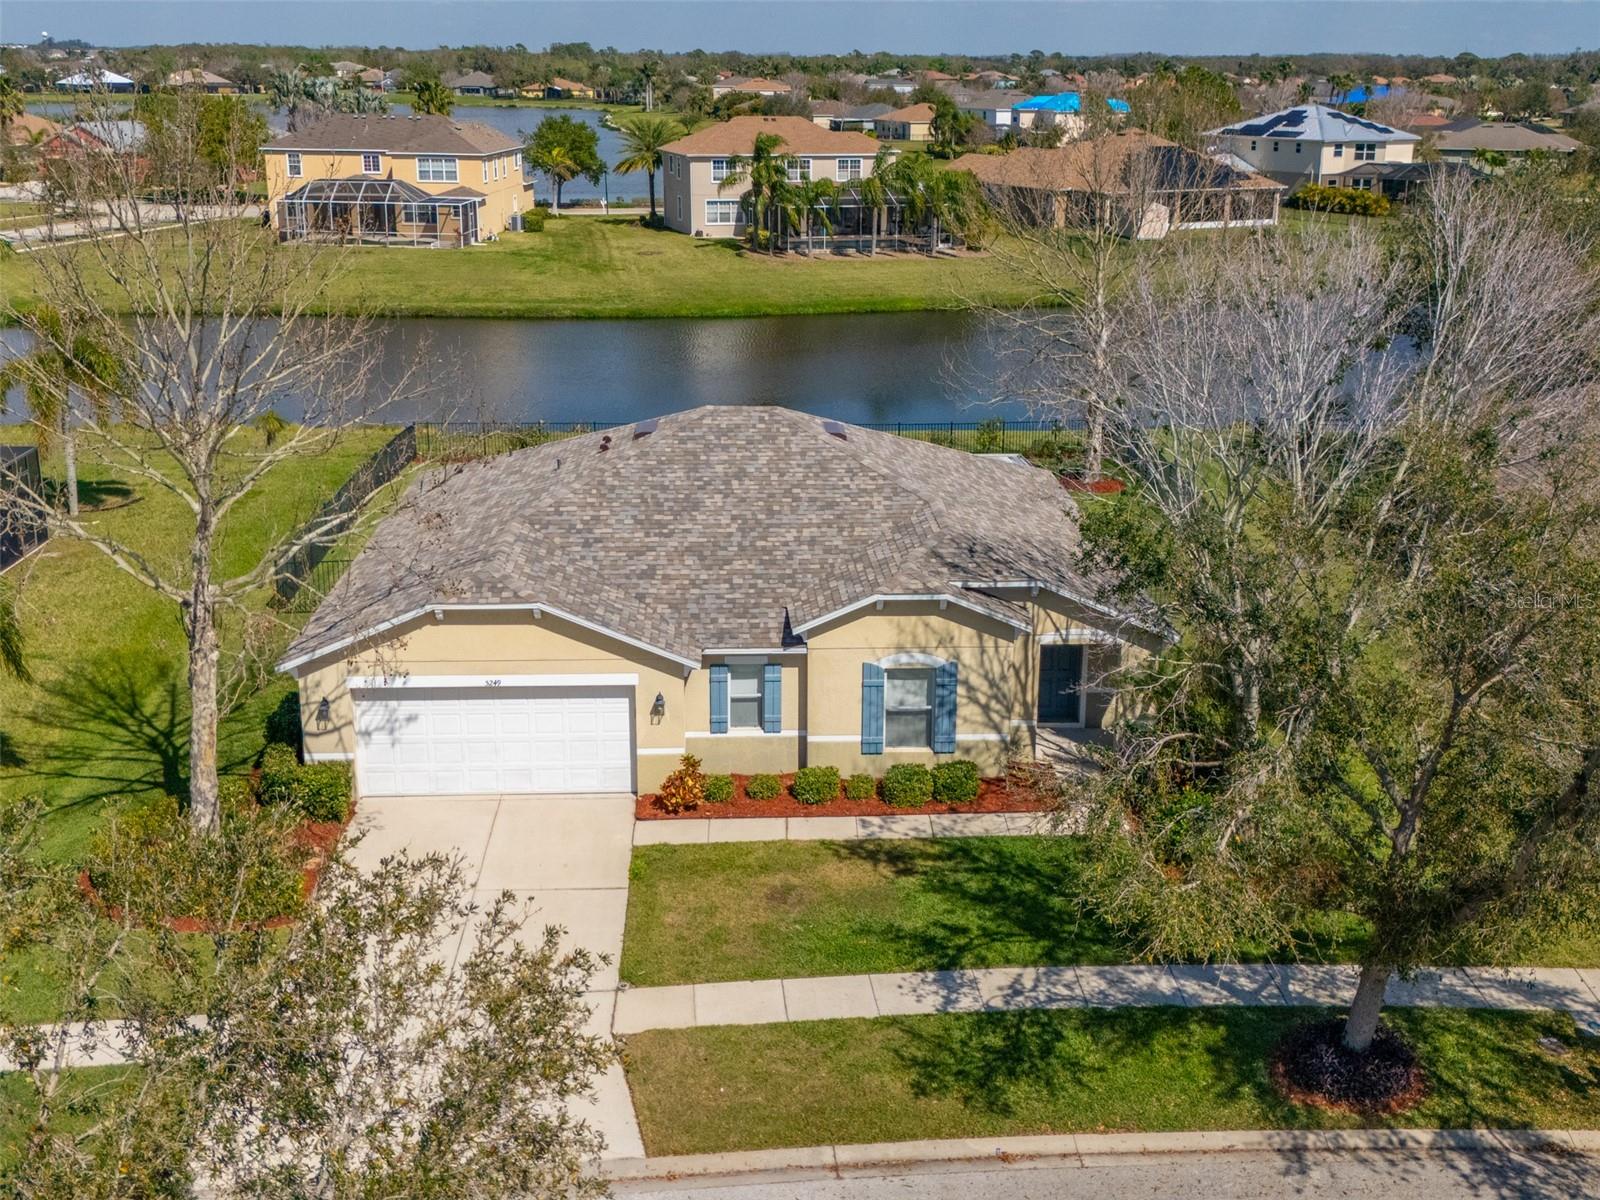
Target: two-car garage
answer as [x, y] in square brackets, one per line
[447, 736]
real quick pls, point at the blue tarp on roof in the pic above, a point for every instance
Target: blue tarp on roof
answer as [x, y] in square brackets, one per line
[1361, 95]
[1063, 102]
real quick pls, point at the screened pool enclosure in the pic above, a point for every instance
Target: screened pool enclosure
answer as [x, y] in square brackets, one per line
[378, 212]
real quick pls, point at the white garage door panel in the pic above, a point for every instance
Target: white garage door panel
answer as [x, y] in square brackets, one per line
[461, 741]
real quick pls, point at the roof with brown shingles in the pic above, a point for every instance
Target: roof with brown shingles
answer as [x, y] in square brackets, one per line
[800, 135]
[398, 135]
[1104, 163]
[719, 529]
[912, 114]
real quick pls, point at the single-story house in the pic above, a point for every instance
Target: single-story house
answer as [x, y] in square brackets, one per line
[1468, 140]
[344, 68]
[28, 129]
[96, 79]
[695, 168]
[755, 586]
[1150, 185]
[992, 107]
[897, 84]
[1310, 143]
[856, 118]
[198, 79]
[997, 80]
[469, 83]
[754, 86]
[1397, 180]
[96, 137]
[395, 180]
[375, 78]
[1059, 109]
[914, 123]
[567, 89]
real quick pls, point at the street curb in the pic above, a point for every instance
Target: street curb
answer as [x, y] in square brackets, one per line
[1088, 1147]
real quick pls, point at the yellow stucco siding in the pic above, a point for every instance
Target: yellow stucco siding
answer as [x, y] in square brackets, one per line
[497, 176]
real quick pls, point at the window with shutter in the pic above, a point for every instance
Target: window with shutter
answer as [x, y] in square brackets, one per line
[772, 698]
[719, 699]
[871, 708]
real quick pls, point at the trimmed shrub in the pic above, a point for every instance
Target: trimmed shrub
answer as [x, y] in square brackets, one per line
[322, 791]
[533, 220]
[955, 782]
[283, 723]
[860, 787]
[907, 785]
[1319, 197]
[236, 796]
[279, 765]
[685, 788]
[816, 785]
[763, 787]
[719, 789]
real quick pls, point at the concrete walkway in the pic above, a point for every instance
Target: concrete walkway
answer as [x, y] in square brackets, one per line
[699, 831]
[771, 1001]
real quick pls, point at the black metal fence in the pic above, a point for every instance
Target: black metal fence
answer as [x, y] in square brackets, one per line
[21, 529]
[310, 570]
[459, 441]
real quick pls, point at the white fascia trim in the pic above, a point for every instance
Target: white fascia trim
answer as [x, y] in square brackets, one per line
[1038, 585]
[756, 650]
[739, 733]
[1080, 637]
[387, 682]
[439, 610]
[922, 597]
[330, 756]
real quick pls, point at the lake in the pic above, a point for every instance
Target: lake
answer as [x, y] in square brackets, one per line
[933, 366]
[509, 119]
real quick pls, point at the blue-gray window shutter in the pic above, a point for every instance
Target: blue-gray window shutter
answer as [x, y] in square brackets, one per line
[944, 709]
[772, 698]
[871, 708]
[719, 699]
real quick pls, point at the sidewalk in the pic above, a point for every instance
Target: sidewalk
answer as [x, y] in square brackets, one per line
[699, 831]
[771, 1001]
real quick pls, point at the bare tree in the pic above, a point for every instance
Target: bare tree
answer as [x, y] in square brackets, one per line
[204, 329]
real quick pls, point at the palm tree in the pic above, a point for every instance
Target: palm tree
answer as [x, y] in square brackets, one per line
[642, 139]
[766, 172]
[288, 92]
[62, 364]
[874, 190]
[11, 642]
[811, 203]
[559, 165]
[432, 98]
[12, 105]
[649, 72]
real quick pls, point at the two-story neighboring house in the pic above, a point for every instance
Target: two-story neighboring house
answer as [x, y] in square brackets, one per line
[417, 180]
[696, 168]
[1312, 143]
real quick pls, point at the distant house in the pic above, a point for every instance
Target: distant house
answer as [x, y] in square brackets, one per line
[1058, 109]
[196, 79]
[125, 140]
[856, 118]
[374, 78]
[28, 129]
[889, 83]
[469, 83]
[95, 79]
[1397, 180]
[1145, 184]
[390, 180]
[755, 86]
[993, 108]
[1470, 140]
[913, 123]
[567, 89]
[996, 80]
[344, 68]
[695, 168]
[1312, 143]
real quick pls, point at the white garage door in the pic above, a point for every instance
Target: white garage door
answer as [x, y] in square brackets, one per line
[461, 741]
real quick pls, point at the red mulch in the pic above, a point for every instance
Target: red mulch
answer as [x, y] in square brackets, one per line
[1099, 487]
[316, 838]
[994, 795]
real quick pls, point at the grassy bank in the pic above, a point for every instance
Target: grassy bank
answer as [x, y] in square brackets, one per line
[1083, 1070]
[773, 910]
[612, 267]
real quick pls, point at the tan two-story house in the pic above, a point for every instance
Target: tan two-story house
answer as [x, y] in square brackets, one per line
[697, 169]
[1312, 143]
[757, 587]
[396, 180]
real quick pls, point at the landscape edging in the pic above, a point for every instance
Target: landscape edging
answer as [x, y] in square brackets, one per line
[1007, 1150]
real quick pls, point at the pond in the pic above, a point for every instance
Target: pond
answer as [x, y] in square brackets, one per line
[880, 367]
[515, 120]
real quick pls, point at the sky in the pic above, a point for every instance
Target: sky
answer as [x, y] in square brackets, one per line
[975, 27]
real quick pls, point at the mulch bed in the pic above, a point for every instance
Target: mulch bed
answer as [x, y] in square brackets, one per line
[994, 795]
[1311, 1067]
[316, 838]
[1098, 487]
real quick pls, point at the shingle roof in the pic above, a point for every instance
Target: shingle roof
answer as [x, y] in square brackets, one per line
[1502, 136]
[800, 135]
[398, 135]
[910, 114]
[1102, 164]
[719, 529]
[478, 79]
[1315, 123]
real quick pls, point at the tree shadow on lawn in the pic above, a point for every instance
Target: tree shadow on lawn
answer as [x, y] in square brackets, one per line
[1016, 907]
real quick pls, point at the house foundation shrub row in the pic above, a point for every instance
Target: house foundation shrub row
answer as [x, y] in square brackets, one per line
[904, 785]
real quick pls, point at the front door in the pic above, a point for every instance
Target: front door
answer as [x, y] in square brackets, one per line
[1060, 685]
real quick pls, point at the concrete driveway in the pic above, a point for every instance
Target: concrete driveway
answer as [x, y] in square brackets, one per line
[566, 857]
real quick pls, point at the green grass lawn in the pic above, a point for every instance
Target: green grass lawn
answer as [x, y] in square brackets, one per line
[18, 214]
[772, 910]
[85, 1091]
[613, 267]
[1080, 1070]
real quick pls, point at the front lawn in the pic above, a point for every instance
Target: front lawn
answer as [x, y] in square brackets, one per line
[1080, 1070]
[773, 910]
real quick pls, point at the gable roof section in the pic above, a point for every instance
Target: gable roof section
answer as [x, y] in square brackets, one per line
[1502, 136]
[800, 135]
[1315, 123]
[397, 135]
[910, 114]
[1106, 164]
[723, 527]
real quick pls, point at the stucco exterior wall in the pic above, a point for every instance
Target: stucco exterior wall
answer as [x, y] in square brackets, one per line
[502, 197]
[1296, 161]
[687, 183]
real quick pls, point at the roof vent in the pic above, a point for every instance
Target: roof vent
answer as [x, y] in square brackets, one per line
[645, 428]
[836, 429]
[605, 443]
